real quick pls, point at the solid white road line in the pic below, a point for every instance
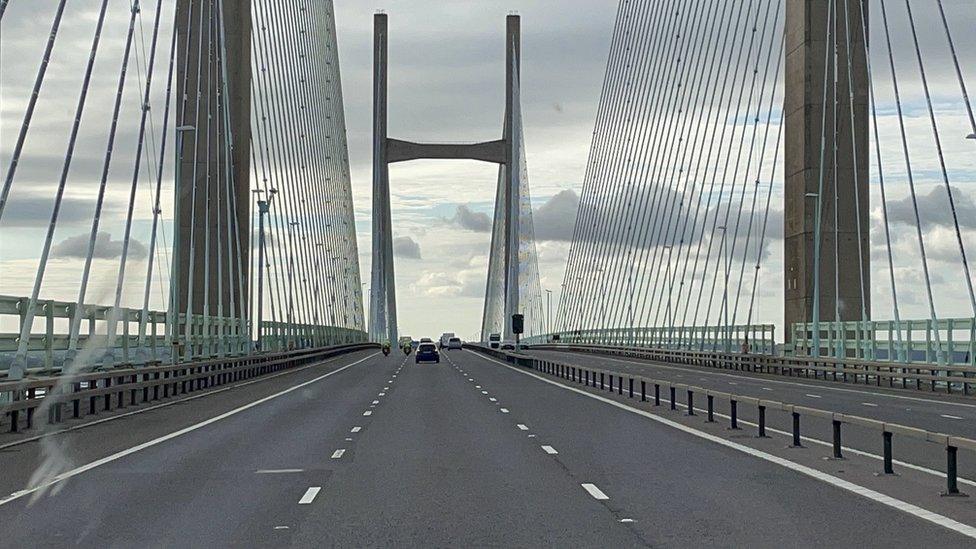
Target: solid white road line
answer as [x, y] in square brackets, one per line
[338, 453]
[277, 471]
[368, 413]
[594, 491]
[118, 455]
[504, 410]
[550, 450]
[894, 503]
[356, 429]
[310, 494]
[522, 427]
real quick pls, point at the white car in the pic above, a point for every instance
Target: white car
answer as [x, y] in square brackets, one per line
[453, 343]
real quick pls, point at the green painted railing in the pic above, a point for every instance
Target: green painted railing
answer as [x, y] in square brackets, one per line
[759, 338]
[141, 337]
[279, 336]
[948, 341]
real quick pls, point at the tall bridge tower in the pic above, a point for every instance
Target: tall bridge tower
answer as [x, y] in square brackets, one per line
[826, 162]
[504, 274]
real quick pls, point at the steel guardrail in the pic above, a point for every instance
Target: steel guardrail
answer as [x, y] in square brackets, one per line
[917, 376]
[63, 395]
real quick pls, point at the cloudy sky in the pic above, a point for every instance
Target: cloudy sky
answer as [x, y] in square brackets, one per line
[446, 84]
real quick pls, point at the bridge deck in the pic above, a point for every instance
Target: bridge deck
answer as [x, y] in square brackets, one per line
[367, 450]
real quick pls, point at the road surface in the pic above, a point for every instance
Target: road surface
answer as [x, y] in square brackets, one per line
[372, 451]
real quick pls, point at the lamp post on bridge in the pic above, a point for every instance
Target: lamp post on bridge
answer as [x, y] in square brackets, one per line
[291, 276]
[725, 292]
[263, 208]
[549, 312]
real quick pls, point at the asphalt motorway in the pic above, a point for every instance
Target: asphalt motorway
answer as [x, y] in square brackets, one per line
[375, 451]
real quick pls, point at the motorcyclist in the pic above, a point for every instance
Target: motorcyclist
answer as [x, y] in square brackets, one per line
[407, 348]
[386, 348]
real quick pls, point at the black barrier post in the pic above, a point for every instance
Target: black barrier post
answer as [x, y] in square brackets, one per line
[643, 391]
[762, 422]
[611, 382]
[657, 394]
[888, 469]
[674, 405]
[631, 387]
[711, 408]
[691, 403]
[733, 414]
[602, 384]
[837, 452]
[952, 488]
[620, 385]
[796, 430]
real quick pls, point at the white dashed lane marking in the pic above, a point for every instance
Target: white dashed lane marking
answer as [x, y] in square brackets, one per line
[376, 402]
[550, 450]
[356, 429]
[522, 427]
[947, 416]
[368, 413]
[338, 453]
[504, 410]
[594, 491]
[871, 404]
[277, 471]
[813, 396]
[309, 495]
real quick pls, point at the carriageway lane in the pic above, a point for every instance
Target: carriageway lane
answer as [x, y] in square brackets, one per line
[441, 466]
[228, 483]
[934, 412]
[916, 410]
[679, 488]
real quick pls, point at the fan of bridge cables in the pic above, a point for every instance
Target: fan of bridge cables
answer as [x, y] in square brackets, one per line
[130, 165]
[679, 236]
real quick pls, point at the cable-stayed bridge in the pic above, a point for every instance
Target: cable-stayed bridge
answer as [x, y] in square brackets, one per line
[187, 356]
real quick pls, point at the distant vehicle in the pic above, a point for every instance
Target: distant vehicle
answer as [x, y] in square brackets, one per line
[445, 337]
[403, 341]
[508, 346]
[454, 343]
[494, 340]
[414, 344]
[427, 352]
[426, 340]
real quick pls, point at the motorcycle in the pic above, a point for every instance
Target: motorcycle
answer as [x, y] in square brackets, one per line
[386, 350]
[407, 349]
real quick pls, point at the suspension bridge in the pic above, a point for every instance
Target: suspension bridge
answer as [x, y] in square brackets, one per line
[766, 291]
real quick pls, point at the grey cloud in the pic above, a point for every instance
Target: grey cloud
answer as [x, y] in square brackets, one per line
[105, 247]
[933, 209]
[34, 210]
[555, 219]
[466, 218]
[404, 246]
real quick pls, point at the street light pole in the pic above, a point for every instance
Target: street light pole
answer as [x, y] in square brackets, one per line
[725, 291]
[549, 312]
[263, 208]
[291, 275]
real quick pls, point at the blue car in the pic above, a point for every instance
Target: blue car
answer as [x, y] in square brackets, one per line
[427, 352]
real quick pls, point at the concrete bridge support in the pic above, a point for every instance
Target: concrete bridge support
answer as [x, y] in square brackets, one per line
[833, 157]
[504, 152]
